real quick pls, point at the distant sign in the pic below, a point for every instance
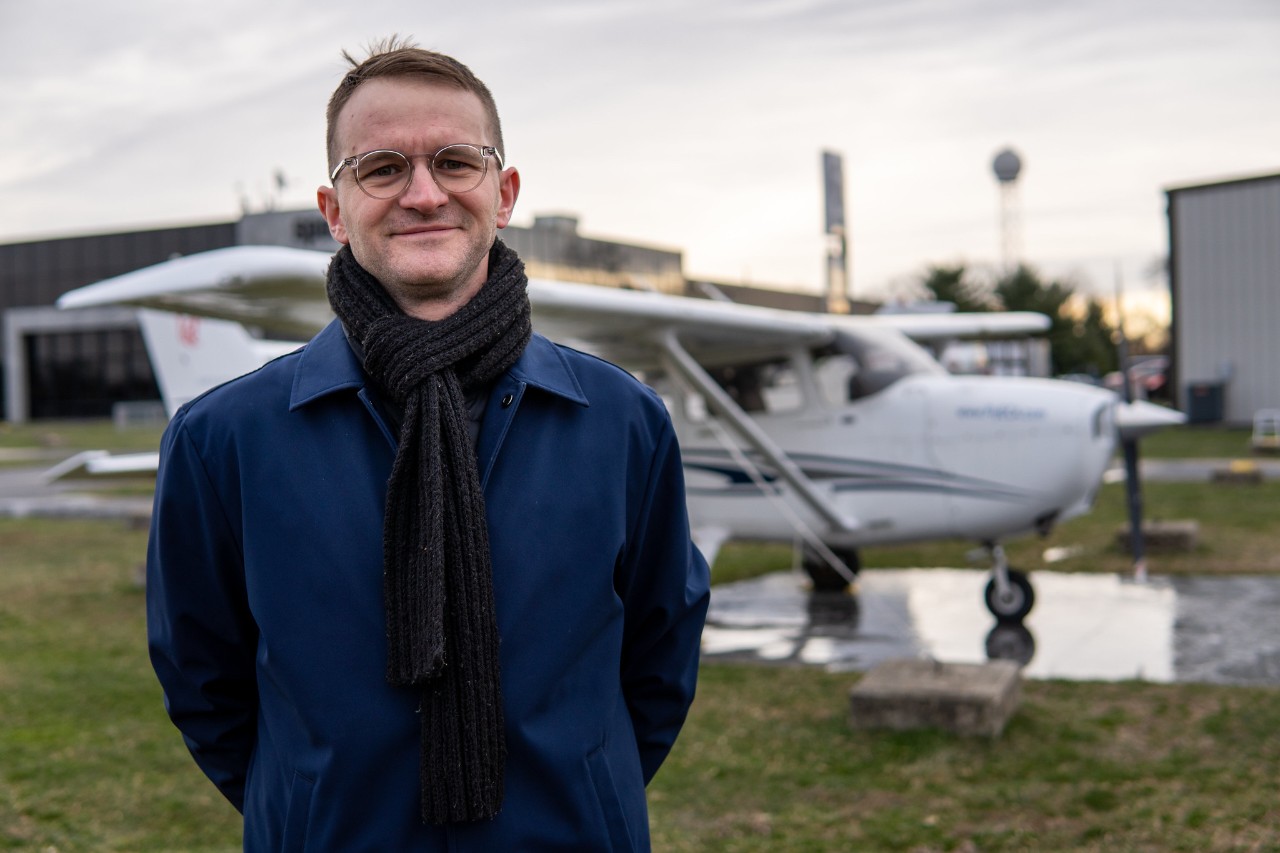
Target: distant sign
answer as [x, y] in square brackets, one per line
[833, 191]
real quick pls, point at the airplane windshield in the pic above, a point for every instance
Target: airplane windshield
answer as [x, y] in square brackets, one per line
[870, 360]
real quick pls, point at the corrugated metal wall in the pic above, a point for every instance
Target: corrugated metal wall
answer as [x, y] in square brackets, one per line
[1225, 278]
[38, 272]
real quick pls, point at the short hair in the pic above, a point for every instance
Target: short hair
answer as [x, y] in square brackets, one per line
[399, 57]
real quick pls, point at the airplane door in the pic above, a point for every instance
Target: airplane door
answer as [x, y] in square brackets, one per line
[891, 480]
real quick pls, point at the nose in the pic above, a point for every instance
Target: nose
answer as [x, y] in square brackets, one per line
[423, 193]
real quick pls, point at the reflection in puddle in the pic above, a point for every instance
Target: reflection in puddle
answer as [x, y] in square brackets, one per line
[1010, 641]
[1084, 626]
[1088, 627]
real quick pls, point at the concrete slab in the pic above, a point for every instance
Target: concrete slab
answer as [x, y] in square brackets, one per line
[1162, 537]
[909, 694]
[1240, 471]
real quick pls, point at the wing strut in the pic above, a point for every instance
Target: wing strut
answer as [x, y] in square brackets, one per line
[722, 404]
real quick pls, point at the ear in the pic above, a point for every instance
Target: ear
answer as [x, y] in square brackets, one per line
[327, 199]
[508, 191]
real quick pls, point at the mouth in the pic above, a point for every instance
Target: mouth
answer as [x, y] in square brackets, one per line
[420, 230]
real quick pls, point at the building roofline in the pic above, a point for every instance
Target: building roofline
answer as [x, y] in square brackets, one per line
[1222, 182]
[122, 231]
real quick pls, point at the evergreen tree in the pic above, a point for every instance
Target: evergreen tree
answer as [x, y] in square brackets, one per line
[1077, 345]
[953, 284]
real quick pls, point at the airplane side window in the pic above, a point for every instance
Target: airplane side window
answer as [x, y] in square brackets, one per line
[781, 389]
[834, 375]
[768, 387]
[744, 384]
[695, 408]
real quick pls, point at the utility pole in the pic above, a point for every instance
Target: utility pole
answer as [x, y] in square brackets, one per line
[837, 238]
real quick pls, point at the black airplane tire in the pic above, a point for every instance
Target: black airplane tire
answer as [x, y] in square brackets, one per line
[825, 578]
[1017, 603]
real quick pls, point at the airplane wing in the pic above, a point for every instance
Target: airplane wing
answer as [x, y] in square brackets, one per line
[275, 288]
[974, 325]
[628, 327]
[281, 291]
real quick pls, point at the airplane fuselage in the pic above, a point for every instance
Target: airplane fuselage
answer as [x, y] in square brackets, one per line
[929, 457]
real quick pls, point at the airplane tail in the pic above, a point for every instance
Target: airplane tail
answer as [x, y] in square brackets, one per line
[190, 355]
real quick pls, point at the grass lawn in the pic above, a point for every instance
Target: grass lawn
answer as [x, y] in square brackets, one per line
[767, 762]
[88, 760]
[74, 435]
[1198, 442]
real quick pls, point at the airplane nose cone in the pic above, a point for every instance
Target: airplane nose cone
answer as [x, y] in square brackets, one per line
[1140, 418]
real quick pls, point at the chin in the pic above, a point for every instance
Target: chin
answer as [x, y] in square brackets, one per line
[423, 267]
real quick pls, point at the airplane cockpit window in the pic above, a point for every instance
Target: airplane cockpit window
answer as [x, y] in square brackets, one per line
[859, 364]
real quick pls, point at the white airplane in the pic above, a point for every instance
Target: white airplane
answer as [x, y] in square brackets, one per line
[838, 431]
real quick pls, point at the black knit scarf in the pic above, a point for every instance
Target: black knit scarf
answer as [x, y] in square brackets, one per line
[442, 632]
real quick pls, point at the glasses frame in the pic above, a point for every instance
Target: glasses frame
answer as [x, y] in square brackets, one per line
[486, 151]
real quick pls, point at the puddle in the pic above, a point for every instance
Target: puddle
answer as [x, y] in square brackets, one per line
[1083, 627]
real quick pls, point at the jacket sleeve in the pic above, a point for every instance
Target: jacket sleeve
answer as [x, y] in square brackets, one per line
[201, 636]
[665, 586]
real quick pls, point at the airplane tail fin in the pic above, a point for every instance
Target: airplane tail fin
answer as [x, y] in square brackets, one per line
[190, 355]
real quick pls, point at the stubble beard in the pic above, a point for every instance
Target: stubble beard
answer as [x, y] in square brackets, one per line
[415, 279]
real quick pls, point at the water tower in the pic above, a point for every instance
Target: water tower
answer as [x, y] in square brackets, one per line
[1007, 166]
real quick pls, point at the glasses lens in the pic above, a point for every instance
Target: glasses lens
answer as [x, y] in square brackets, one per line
[383, 174]
[458, 168]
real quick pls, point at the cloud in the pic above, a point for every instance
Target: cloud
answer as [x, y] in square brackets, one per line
[696, 126]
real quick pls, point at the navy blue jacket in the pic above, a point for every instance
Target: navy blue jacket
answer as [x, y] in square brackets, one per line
[266, 621]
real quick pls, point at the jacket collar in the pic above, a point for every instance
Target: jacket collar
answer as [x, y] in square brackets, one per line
[327, 365]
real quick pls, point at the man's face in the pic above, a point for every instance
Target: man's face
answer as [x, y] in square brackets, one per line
[428, 248]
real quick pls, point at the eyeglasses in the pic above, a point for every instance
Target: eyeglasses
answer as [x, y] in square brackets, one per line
[386, 174]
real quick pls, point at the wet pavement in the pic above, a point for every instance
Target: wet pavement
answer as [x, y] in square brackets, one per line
[1220, 630]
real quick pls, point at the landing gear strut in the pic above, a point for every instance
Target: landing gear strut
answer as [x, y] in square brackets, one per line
[1009, 595]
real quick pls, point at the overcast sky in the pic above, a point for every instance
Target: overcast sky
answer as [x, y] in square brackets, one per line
[697, 127]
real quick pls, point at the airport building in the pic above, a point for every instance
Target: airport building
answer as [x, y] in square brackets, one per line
[86, 363]
[1224, 276]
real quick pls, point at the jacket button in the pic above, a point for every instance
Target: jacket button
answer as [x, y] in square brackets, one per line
[508, 399]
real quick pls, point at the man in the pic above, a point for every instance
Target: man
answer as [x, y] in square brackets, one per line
[427, 583]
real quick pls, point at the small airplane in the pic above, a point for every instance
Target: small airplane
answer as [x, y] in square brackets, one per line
[838, 431]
